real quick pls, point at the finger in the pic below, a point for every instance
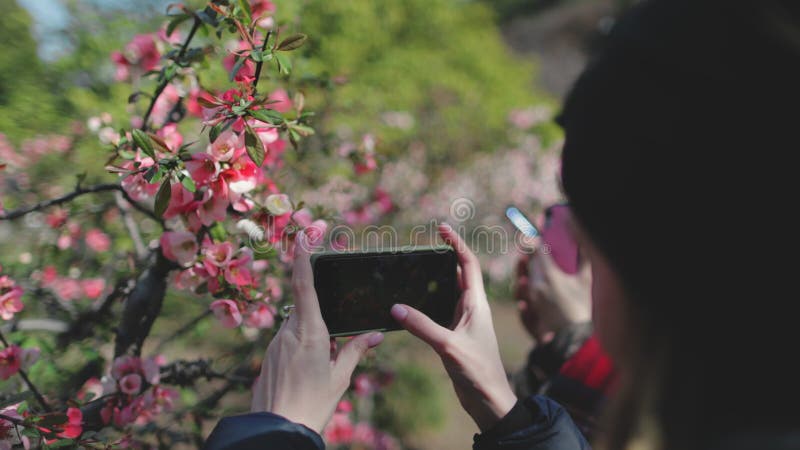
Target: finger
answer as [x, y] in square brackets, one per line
[420, 325]
[351, 353]
[521, 288]
[467, 259]
[306, 305]
[460, 278]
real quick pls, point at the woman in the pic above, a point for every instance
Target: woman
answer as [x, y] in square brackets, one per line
[680, 129]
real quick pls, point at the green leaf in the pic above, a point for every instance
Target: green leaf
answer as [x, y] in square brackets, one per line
[284, 64]
[236, 67]
[292, 42]
[188, 183]
[49, 420]
[217, 232]
[245, 6]
[177, 20]
[162, 198]
[255, 148]
[215, 131]
[142, 140]
[61, 443]
[267, 115]
[303, 130]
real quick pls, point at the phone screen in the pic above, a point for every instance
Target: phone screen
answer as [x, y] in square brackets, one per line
[357, 290]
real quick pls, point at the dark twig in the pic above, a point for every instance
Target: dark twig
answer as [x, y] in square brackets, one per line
[36, 393]
[261, 63]
[165, 81]
[80, 190]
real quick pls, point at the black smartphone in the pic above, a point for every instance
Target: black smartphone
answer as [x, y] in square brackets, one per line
[521, 222]
[356, 291]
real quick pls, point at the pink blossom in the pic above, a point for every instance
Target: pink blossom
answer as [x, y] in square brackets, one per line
[366, 164]
[339, 430]
[237, 272]
[278, 204]
[273, 288]
[179, 246]
[135, 184]
[57, 218]
[97, 240]
[263, 10]
[259, 315]
[171, 136]
[226, 143]
[364, 385]
[193, 107]
[247, 70]
[203, 168]
[214, 205]
[67, 288]
[93, 287]
[227, 311]
[131, 384]
[241, 173]
[189, 279]
[141, 52]
[164, 104]
[10, 361]
[10, 298]
[74, 426]
[283, 103]
[181, 201]
[217, 256]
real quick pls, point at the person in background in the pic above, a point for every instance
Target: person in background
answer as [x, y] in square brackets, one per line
[566, 363]
[679, 145]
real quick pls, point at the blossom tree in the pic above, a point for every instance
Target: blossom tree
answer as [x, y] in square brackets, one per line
[199, 196]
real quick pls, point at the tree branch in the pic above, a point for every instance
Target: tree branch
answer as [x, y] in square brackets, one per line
[79, 190]
[143, 306]
[261, 63]
[165, 81]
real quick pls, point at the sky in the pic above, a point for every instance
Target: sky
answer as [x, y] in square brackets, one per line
[51, 15]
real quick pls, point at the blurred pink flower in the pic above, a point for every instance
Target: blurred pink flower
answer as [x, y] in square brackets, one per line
[227, 311]
[259, 315]
[283, 103]
[97, 240]
[10, 298]
[203, 168]
[93, 287]
[179, 246]
[10, 361]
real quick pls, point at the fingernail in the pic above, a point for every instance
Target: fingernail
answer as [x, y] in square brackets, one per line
[399, 312]
[374, 339]
[445, 226]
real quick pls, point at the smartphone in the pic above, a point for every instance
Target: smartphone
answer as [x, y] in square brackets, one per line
[559, 239]
[356, 291]
[521, 222]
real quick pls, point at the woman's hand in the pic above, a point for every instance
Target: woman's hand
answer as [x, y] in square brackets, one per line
[303, 376]
[549, 298]
[469, 351]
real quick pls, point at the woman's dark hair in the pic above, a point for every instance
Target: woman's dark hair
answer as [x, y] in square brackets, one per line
[678, 163]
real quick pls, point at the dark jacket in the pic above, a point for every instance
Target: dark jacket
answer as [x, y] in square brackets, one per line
[536, 423]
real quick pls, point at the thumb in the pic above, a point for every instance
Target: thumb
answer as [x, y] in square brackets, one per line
[351, 353]
[420, 325]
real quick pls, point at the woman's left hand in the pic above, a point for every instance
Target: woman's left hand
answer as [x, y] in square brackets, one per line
[303, 377]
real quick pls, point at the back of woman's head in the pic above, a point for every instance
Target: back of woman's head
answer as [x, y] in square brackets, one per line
[678, 164]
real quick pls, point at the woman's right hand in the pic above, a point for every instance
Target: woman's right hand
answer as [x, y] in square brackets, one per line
[469, 351]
